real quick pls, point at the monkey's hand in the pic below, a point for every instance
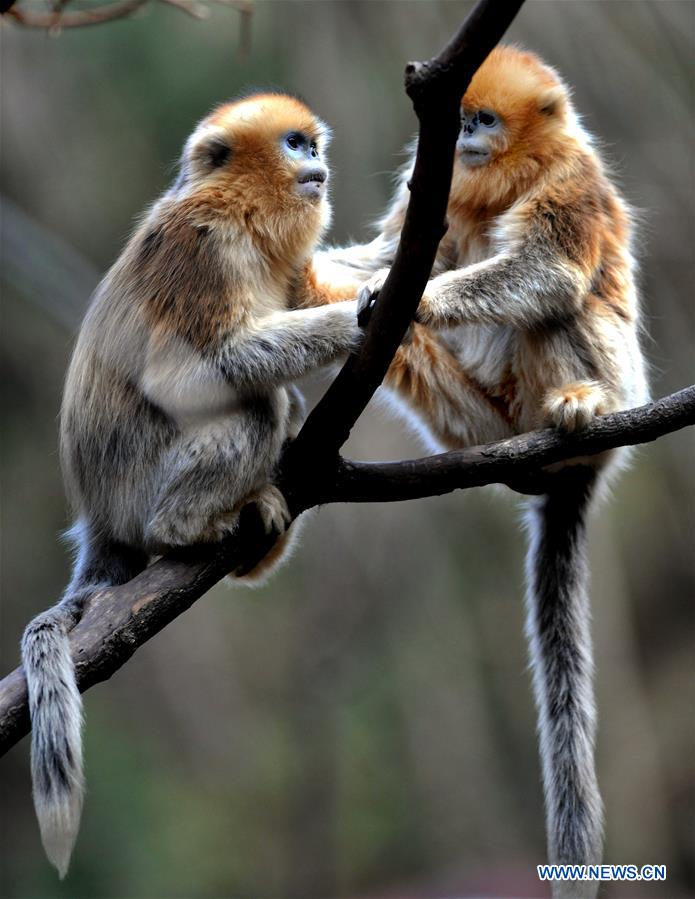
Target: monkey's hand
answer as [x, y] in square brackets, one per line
[368, 295]
[573, 406]
[272, 507]
[367, 299]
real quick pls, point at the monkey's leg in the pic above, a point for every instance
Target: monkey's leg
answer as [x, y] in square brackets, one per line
[429, 379]
[572, 407]
[560, 647]
[55, 705]
[210, 474]
[213, 476]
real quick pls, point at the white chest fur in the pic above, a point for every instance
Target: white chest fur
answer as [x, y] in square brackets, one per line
[188, 388]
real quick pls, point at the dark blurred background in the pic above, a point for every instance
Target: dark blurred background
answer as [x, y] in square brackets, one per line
[363, 726]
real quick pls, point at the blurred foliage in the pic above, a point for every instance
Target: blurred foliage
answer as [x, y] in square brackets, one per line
[363, 725]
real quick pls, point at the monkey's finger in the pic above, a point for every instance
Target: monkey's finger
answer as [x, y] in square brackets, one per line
[272, 507]
[364, 314]
[366, 296]
[247, 514]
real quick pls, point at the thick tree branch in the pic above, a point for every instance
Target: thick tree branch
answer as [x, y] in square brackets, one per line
[513, 462]
[119, 620]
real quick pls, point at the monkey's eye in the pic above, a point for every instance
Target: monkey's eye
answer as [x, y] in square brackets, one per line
[487, 118]
[314, 149]
[294, 141]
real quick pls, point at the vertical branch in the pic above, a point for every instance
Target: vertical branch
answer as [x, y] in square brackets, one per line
[435, 88]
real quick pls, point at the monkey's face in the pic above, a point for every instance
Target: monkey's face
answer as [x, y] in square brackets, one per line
[303, 159]
[481, 136]
[514, 109]
[258, 162]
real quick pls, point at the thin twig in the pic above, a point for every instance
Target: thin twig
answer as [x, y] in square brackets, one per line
[190, 7]
[57, 18]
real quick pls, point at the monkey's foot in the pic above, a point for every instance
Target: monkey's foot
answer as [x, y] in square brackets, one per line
[272, 506]
[573, 406]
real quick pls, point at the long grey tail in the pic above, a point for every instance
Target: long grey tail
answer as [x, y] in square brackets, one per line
[55, 707]
[558, 630]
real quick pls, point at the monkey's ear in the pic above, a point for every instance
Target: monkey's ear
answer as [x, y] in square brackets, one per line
[325, 134]
[552, 101]
[215, 152]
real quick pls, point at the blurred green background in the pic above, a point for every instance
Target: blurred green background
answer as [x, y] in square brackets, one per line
[362, 726]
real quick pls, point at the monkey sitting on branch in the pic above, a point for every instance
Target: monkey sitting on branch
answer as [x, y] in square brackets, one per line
[530, 319]
[180, 392]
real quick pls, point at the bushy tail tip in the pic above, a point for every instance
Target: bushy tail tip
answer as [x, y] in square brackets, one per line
[59, 822]
[55, 707]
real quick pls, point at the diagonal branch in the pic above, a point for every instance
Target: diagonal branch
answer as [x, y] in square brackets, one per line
[436, 88]
[120, 619]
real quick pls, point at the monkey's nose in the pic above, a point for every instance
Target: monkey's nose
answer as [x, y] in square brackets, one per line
[317, 173]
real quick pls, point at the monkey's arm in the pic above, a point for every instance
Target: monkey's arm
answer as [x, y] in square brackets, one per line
[336, 275]
[540, 272]
[546, 255]
[321, 284]
[286, 345]
[525, 289]
[358, 261]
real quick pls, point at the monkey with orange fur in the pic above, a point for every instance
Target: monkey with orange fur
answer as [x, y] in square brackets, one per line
[180, 393]
[530, 319]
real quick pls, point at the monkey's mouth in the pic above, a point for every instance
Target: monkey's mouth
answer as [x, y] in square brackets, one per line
[473, 155]
[311, 183]
[317, 177]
